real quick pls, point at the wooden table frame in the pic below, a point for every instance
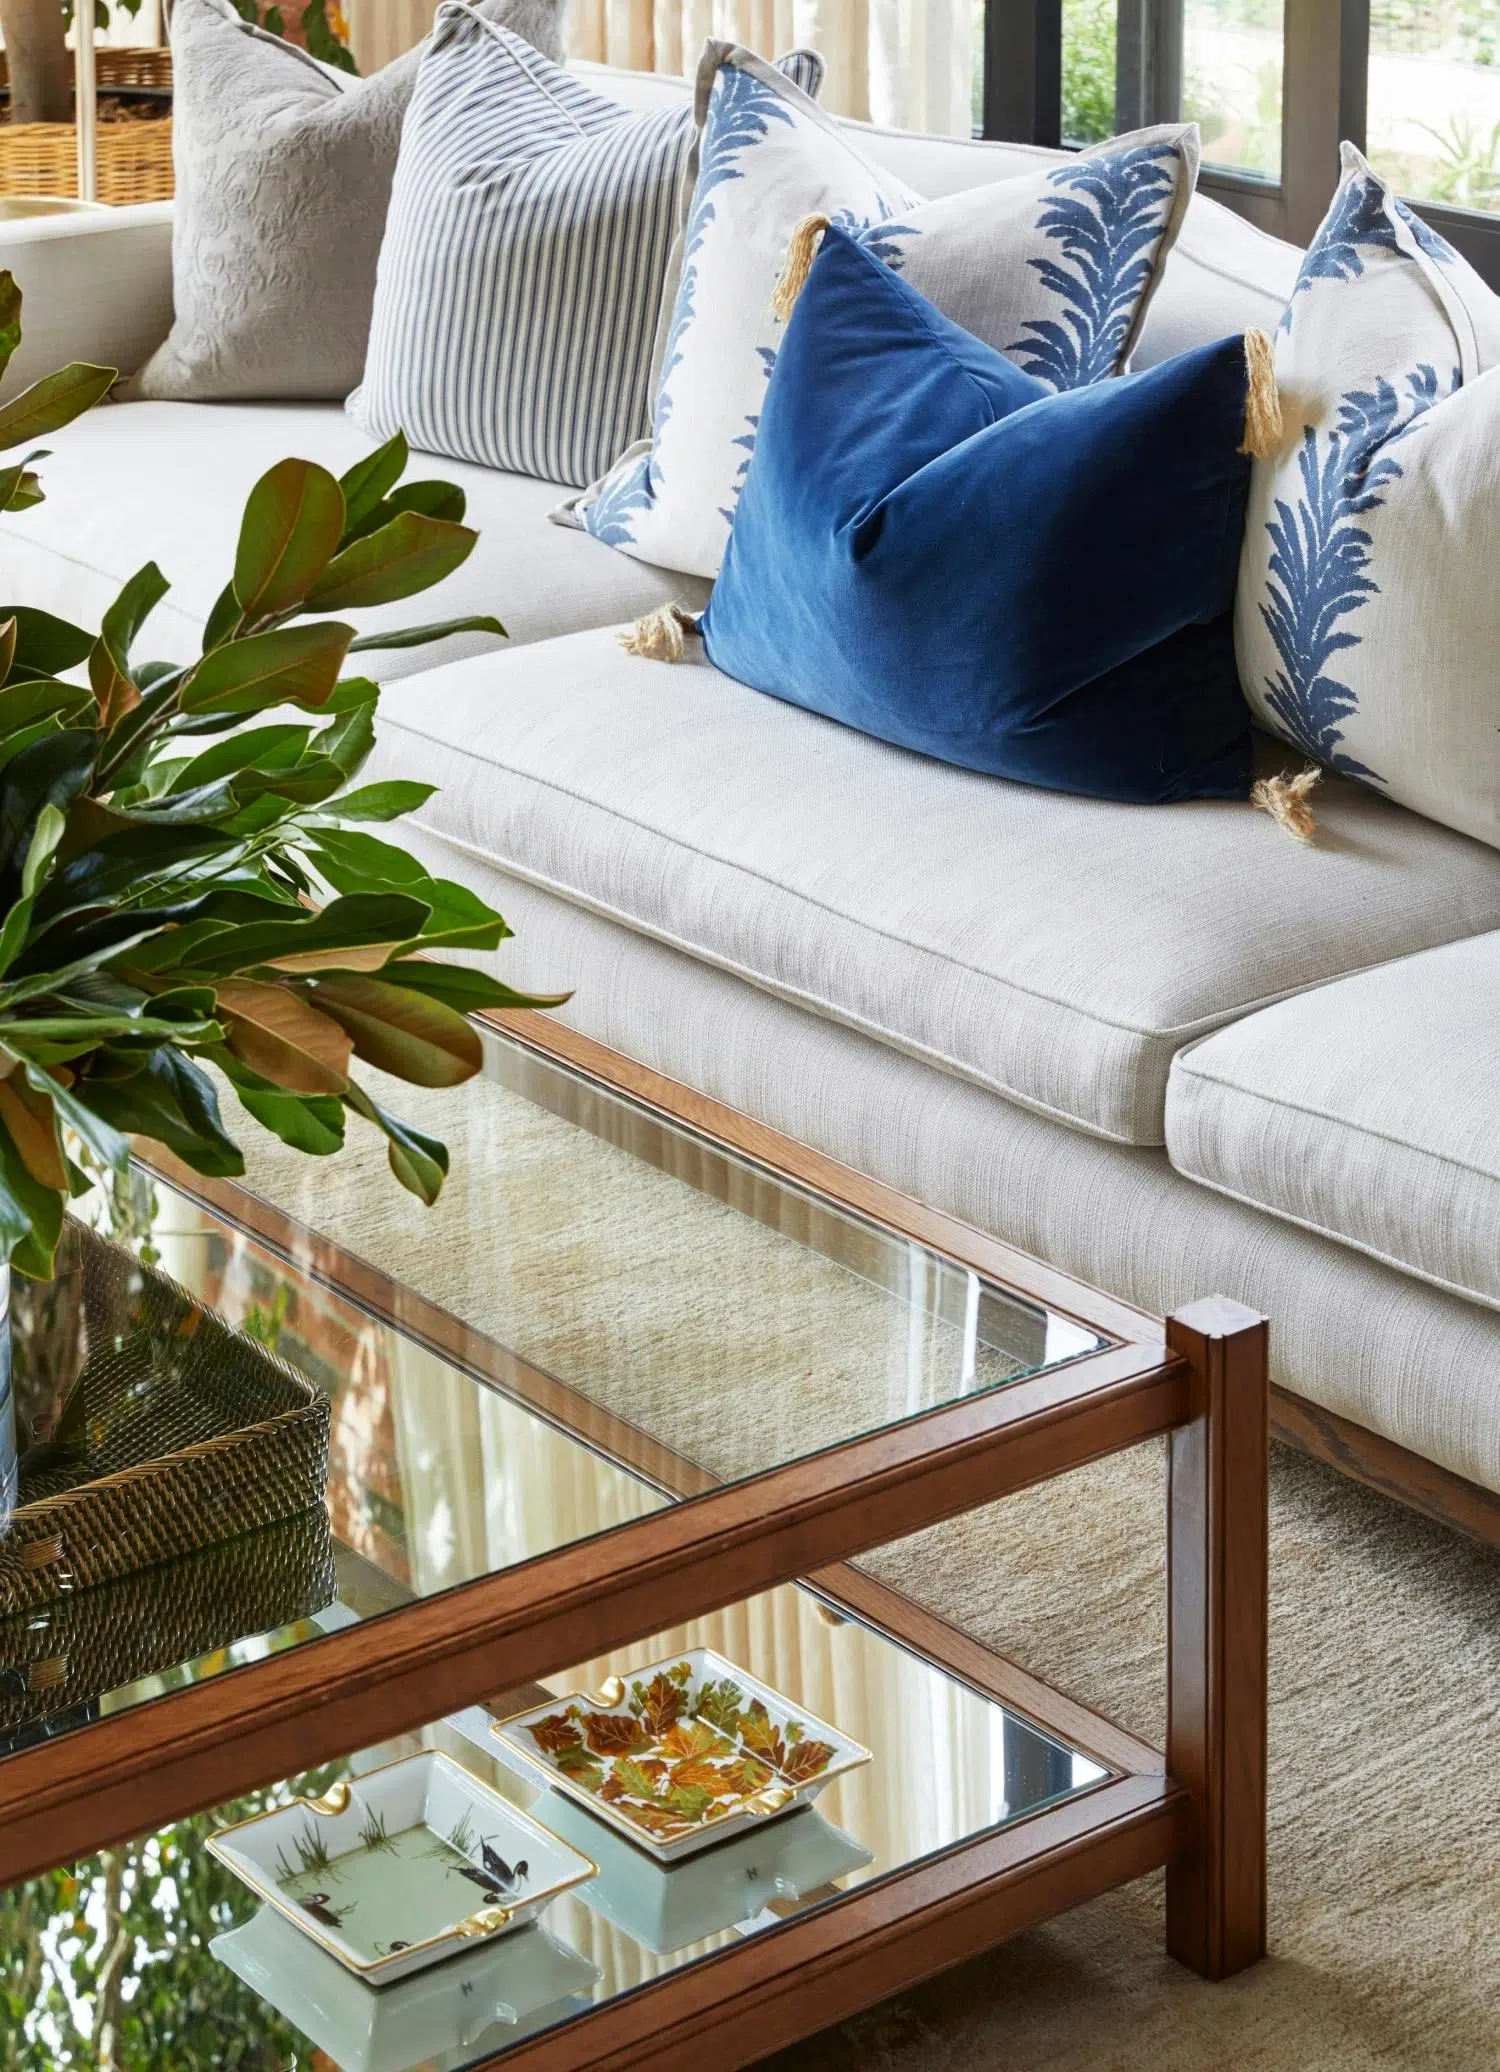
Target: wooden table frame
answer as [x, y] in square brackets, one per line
[1202, 1384]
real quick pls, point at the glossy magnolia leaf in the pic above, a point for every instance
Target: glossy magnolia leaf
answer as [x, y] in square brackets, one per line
[10, 318]
[260, 748]
[54, 401]
[291, 529]
[420, 636]
[410, 554]
[30, 1215]
[31, 1123]
[45, 645]
[371, 479]
[313, 1123]
[223, 620]
[343, 925]
[7, 647]
[40, 698]
[173, 1101]
[295, 665]
[13, 934]
[461, 986]
[109, 664]
[45, 836]
[276, 1033]
[387, 801]
[418, 1161]
[108, 1145]
[350, 741]
[411, 1037]
[356, 862]
[19, 488]
[49, 772]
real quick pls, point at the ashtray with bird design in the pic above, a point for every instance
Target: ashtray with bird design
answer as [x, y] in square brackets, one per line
[403, 1866]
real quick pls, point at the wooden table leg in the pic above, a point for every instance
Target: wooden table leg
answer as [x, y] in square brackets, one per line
[1216, 1637]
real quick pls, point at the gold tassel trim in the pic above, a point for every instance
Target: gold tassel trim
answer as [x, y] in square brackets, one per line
[659, 637]
[1263, 426]
[800, 254]
[1286, 800]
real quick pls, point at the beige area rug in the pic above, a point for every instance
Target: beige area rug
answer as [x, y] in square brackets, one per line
[1385, 1639]
[1385, 1795]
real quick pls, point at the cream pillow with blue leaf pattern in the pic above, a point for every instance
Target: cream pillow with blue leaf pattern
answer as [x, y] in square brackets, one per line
[1367, 623]
[1055, 270]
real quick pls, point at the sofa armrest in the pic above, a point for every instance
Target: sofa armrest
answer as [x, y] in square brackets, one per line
[95, 285]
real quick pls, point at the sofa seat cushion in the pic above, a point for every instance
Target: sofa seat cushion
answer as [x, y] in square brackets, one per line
[1368, 1110]
[1057, 950]
[167, 482]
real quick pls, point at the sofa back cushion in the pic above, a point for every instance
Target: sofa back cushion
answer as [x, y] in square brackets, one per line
[284, 172]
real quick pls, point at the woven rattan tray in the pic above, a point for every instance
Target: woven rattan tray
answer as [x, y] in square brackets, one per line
[57, 1658]
[133, 157]
[172, 1432]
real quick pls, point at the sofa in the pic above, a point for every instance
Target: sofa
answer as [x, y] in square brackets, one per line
[1166, 1048]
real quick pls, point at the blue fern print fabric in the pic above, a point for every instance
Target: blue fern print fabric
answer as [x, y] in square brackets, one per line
[1054, 269]
[1057, 269]
[1368, 615]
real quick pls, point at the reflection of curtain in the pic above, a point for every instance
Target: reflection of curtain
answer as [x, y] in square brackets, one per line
[908, 63]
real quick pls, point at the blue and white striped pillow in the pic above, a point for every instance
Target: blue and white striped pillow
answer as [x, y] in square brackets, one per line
[525, 257]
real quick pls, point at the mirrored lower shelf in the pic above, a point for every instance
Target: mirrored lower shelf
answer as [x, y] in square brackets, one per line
[948, 1766]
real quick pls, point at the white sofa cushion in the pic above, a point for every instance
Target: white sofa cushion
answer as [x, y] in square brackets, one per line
[133, 482]
[1368, 1111]
[1056, 950]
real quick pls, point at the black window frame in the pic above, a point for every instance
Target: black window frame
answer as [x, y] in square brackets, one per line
[1325, 85]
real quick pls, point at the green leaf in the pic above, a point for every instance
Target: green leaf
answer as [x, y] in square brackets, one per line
[274, 1031]
[387, 801]
[19, 488]
[344, 925]
[291, 529]
[407, 1034]
[223, 620]
[350, 741]
[45, 645]
[45, 837]
[418, 1161]
[296, 665]
[370, 479]
[109, 664]
[261, 748]
[10, 318]
[54, 401]
[419, 636]
[30, 1215]
[313, 1123]
[173, 1101]
[462, 987]
[14, 933]
[355, 862]
[409, 554]
[50, 772]
[40, 697]
[107, 1144]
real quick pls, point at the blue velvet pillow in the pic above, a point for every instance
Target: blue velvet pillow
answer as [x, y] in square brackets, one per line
[938, 549]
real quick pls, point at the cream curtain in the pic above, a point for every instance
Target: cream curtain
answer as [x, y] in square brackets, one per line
[905, 63]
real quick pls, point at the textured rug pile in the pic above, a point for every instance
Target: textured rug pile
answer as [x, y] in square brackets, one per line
[1385, 1795]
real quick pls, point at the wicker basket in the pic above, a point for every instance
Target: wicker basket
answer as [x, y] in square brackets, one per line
[134, 158]
[178, 1432]
[55, 1659]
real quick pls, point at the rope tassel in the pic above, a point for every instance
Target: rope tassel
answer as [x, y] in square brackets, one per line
[1263, 425]
[800, 254]
[1286, 800]
[659, 636]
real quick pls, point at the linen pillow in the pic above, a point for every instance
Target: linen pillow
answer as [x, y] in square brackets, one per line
[1368, 616]
[937, 548]
[530, 229]
[283, 169]
[1055, 268]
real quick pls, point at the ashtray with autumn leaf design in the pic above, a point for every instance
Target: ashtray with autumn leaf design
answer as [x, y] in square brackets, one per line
[682, 1753]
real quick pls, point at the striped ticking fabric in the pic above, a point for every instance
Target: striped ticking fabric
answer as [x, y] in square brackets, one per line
[531, 225]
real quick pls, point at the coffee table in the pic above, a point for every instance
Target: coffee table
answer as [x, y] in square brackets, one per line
[649, 1377]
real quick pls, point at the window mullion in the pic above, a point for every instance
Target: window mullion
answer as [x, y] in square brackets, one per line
[1023, 71]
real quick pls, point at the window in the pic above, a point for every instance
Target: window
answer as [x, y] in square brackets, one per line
[1274, 84]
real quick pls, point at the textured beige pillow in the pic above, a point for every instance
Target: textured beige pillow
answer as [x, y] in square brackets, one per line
[284, 170]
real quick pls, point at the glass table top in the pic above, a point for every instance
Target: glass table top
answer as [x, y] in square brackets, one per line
[160, 1941]
[604, 1313]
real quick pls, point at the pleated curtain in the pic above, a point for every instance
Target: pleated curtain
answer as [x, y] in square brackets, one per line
[906, 63]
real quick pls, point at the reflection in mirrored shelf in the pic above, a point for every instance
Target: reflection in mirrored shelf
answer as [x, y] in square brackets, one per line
[948, 1765]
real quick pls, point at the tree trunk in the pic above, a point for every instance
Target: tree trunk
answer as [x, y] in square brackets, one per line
[41, 69]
